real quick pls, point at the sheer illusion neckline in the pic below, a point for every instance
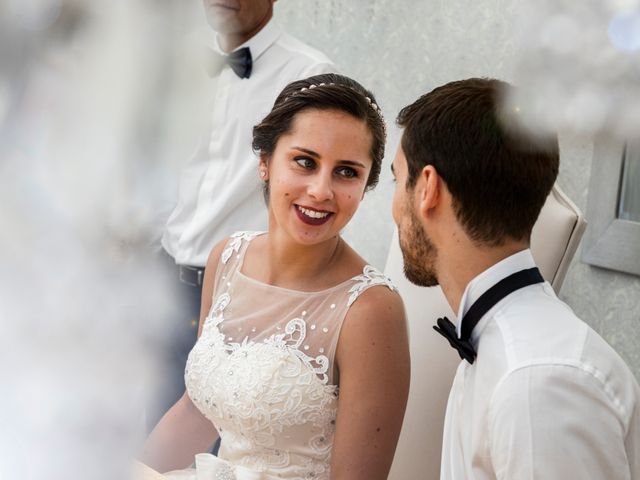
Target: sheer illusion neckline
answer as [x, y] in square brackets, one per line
[290, 290]
[285, 289]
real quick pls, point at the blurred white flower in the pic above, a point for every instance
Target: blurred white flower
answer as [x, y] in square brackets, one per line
[578, 66]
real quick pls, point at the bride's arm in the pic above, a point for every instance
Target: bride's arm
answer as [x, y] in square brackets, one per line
[374, 368]
[183, 431]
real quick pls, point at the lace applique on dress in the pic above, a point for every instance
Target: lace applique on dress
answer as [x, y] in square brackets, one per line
[291, 341]
[370, 276]
[216, 313]
[236, 242]
[269, 400]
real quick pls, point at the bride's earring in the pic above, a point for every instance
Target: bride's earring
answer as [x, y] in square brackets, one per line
[263, 174]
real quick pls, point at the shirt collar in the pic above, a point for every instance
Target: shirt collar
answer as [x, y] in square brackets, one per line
[487, 279]
[257, 44]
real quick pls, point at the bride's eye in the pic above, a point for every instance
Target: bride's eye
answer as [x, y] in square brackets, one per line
[347, 172]
[305, 162]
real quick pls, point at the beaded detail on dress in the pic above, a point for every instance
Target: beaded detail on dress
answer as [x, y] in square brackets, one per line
[262, 368]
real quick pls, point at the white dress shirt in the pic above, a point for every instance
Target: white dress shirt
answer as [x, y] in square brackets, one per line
[219, 190]
[546, 398]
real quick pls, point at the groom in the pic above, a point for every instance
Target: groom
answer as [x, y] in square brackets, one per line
[538, 395]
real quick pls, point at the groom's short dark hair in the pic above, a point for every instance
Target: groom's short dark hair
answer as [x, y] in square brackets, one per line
[498, 177]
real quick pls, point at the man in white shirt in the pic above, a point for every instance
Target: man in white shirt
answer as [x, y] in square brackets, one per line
[219, 190]
[539, 394]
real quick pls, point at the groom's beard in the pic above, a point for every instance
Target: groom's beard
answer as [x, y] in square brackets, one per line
[418, 252]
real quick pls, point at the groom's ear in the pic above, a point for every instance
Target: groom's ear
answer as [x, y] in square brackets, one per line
[428, 191]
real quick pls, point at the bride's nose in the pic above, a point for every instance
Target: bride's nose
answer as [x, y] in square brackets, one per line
[321, 186]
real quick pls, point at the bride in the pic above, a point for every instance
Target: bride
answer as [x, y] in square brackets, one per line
[302, 364]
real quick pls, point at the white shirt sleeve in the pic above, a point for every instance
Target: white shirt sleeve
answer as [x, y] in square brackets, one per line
[556, 422]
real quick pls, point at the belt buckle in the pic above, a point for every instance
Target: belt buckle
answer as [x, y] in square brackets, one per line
[183, 279]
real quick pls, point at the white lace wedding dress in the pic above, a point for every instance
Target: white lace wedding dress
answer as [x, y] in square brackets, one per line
[262, 372]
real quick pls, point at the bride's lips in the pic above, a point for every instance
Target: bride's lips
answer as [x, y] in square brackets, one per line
[312, 216]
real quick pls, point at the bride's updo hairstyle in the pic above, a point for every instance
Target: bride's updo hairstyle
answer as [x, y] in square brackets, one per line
[328, 91]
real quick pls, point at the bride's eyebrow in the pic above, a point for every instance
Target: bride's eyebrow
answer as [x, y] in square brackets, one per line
[352, 163]
[307, 151]
[317, 155]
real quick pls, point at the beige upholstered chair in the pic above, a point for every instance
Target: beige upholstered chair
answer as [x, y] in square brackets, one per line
[554, 241]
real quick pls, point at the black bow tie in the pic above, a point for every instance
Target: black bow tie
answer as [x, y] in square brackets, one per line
[488, 299]
[240, 62]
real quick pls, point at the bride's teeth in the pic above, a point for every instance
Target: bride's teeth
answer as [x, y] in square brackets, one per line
[313, 213]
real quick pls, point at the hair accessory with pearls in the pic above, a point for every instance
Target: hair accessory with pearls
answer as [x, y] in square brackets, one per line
[371, 104]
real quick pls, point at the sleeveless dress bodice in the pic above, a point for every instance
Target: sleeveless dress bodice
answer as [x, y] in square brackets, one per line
[262, 370]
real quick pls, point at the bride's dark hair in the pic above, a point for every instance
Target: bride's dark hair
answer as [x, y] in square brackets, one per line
[328, 91]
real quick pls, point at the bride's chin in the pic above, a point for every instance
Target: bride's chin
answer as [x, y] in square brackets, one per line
[306, 239]
[309, 235]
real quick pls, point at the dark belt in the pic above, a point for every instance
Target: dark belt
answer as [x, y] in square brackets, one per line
[192, 276]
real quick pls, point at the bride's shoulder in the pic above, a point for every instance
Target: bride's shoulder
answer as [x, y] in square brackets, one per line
[375, 323]
[373, 295]
[222, 251]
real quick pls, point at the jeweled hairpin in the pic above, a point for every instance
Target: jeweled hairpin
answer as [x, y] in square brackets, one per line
[371, 103]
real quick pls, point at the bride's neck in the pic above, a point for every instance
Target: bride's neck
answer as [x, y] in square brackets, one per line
[291, 264]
